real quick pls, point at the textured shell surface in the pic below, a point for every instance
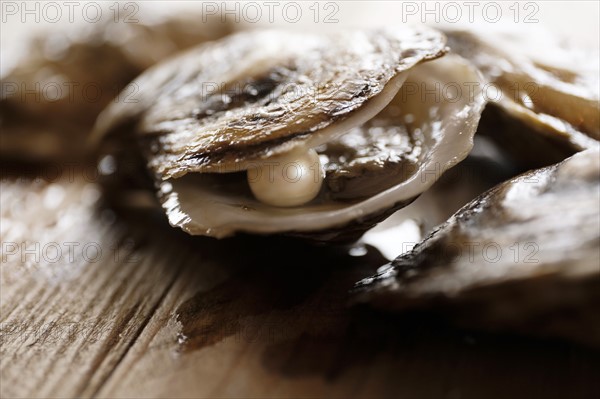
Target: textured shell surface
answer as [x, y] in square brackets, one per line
[555, 92]
[216, 105]
[522, 236]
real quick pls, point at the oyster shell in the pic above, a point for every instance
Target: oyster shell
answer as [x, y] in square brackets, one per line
[523, 256]
[55, 84]
[299, 92]
[546, 101]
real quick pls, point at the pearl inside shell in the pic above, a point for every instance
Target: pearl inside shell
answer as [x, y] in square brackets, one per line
[287, 180]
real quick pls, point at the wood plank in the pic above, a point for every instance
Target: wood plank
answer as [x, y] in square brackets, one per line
[69, 317]
[162, 314]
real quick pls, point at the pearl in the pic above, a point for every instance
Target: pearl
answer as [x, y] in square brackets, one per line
[287, 180]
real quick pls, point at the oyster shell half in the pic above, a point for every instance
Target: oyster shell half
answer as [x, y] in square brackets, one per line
[543, 105]
[56, 83]
[356, 98]
[522, 256]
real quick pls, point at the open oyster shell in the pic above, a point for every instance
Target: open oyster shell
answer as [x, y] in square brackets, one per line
[356, 97]
[522, 256]
[544, 105]
[56, 83]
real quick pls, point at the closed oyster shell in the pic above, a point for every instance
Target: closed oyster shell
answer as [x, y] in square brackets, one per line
[195, 141]
[55, 83]
[544, 105]
[523, 256]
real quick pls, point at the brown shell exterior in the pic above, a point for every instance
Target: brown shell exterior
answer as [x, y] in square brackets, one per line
[525, 252]
[244, 96]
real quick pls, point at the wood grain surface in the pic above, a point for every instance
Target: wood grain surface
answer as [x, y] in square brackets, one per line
[95, 304]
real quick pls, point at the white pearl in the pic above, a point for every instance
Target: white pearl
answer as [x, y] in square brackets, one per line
[286, 180]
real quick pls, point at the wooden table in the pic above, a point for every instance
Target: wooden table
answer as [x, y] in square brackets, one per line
[95, 304]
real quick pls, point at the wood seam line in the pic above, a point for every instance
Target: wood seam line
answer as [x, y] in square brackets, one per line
[136, 335]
